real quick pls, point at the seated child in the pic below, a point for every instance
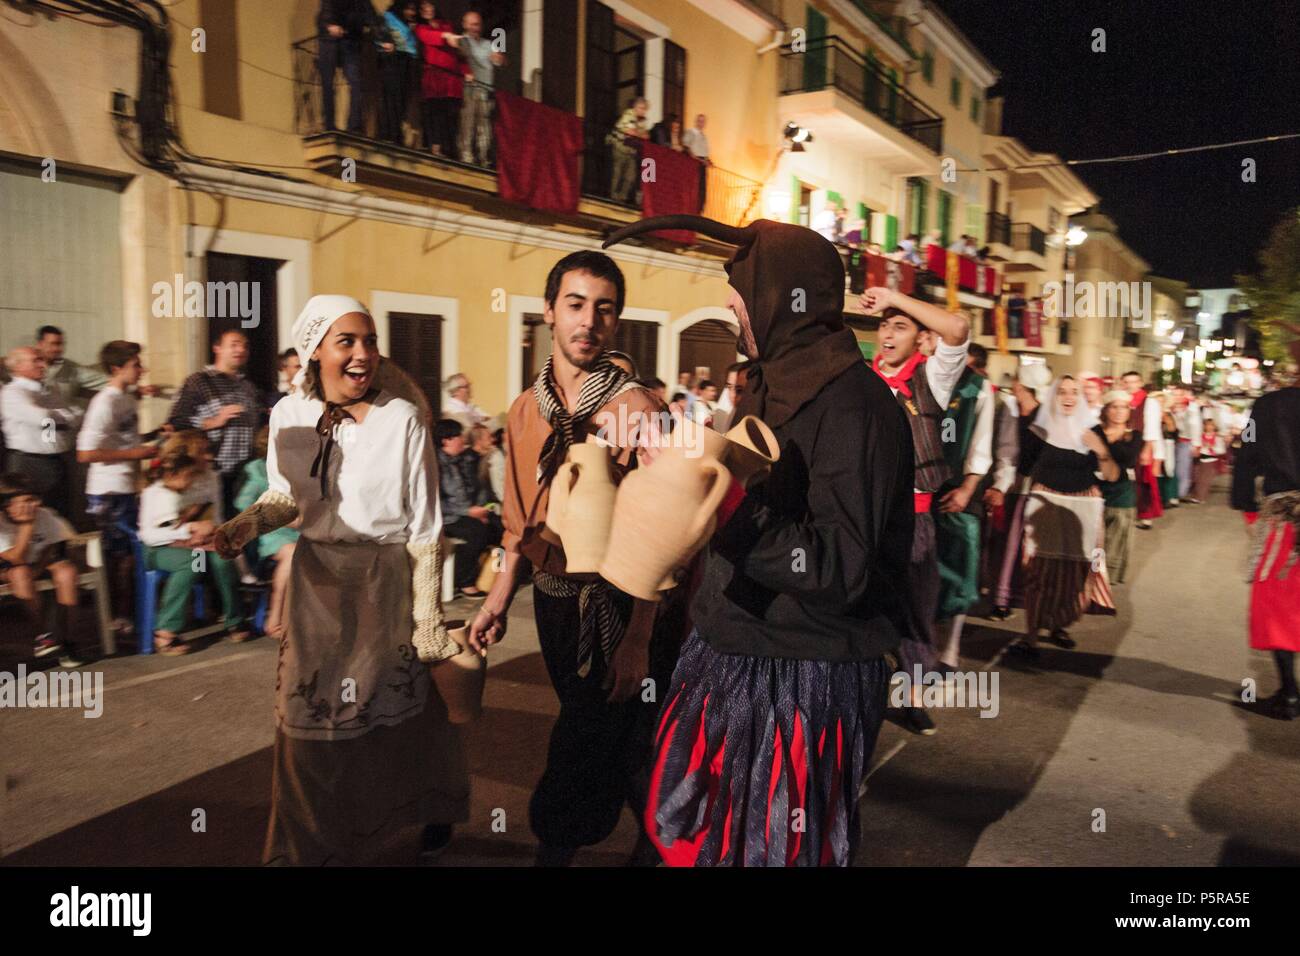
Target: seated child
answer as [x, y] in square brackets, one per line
[276, 547]
[178, 514]
[33, 542]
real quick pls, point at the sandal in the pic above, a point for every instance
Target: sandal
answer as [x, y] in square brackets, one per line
[239, 636]
[169, 645]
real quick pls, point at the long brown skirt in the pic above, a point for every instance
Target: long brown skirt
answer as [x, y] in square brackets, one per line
[335, 802]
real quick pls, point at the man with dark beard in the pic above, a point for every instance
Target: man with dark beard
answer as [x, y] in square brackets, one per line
[777, 699]
[598, 643]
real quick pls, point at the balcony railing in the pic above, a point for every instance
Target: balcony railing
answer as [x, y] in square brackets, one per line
[1028, 237]
[997, 228]
[726, 196]
[829, 61]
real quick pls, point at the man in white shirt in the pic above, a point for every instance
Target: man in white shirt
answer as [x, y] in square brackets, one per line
[458, 404]
[33, 542]
[697, 144]
[109, 443]
[923, 387]
[39, 429]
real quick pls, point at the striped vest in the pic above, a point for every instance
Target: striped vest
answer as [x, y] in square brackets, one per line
[923, 416]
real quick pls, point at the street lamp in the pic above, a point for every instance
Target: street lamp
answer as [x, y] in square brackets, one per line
[1076, 236]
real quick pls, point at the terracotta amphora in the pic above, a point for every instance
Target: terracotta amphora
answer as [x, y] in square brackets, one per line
[581, 506]
[663, 515]
[751, 449]
[460, 679]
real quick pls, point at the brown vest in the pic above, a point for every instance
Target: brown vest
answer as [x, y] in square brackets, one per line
[924, 415]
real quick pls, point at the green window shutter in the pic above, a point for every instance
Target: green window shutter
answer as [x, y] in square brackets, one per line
[921, 221]
[975, 223]
[796, 193]
[927, 67]
[954, 91]
[814, 60]
[975, 108]
[945, 218]
[891, 233]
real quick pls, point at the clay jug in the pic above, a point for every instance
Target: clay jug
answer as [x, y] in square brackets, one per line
[662, 516]
[460, 679]
[581, 507]
[752, 449]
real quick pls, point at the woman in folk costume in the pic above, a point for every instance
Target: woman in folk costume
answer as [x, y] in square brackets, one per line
[773, 711]
[1033, 382]
[1270, 449]
[362, 743]
[1065, 569]
[1146, 416]
[1120, 496]
[1210, 461]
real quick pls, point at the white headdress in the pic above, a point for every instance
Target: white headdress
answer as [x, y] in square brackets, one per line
[315, 319]
[1063, 430]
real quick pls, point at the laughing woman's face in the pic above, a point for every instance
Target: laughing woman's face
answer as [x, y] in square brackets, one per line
[348, 357]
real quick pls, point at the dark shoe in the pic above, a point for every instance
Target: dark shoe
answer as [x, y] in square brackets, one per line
[999, 614]
[555, 855]
[918, 721]
[1023, 650]
[1280, 707]
[433, 842]
[1061, 638]
[46, 645]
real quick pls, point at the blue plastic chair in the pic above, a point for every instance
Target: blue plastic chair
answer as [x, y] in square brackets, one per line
[148, 581]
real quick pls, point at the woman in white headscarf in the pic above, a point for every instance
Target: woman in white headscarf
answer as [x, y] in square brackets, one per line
[362, 742]
[1064, 557]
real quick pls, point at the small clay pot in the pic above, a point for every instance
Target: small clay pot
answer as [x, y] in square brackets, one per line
[460, 679]
[581, 507]
[752, 449]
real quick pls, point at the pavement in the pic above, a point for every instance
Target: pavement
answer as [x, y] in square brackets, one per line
[1129, 750]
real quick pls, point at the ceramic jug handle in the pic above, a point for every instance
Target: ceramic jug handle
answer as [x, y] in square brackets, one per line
[712, 500]
[558, 505]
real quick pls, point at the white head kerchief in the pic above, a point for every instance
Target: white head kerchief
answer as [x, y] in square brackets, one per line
[315, 319]
[1057, 428]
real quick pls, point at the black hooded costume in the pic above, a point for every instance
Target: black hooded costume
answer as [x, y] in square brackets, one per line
[778, 696]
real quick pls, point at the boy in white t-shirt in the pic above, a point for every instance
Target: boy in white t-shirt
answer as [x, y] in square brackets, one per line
[109, 441]
[33, 542]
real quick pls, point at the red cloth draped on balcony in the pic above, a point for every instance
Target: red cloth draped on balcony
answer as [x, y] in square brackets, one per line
[538, 148]
[879, 268]
[1034, 324]
[674, 188]
[970, 274]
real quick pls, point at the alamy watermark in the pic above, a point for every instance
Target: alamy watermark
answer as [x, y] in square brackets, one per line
[213, 300]
[1093, 300]
[77, 690]
[973, 689]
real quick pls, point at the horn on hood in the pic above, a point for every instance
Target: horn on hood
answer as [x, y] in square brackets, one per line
[734, 235]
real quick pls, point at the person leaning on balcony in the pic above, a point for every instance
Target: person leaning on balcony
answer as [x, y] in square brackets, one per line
[624, 152]
[443, 83]
[475, 139]
[341, 25]
[399, 69]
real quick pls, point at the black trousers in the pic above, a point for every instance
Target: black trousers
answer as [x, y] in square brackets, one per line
[49, 475]
[440, 118]
[345, 52]
[599, 754]
[400, 81]
[478, 537]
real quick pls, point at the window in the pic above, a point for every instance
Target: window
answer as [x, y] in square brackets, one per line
[639, 339]
[954, 90]
[975, 108]
[917, 220]
[415, 343]
[220, 71]
[675, 83]
[927, 67]
[945, 217]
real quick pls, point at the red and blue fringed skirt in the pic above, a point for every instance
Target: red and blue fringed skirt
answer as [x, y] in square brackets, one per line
[759, 760]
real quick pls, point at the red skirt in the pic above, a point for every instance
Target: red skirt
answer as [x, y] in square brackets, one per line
[1148, 488]
[1275, 593]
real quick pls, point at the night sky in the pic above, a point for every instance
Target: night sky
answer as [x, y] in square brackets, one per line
[1176, 73]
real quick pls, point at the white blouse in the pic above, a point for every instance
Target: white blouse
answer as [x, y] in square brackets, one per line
[383, 473]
